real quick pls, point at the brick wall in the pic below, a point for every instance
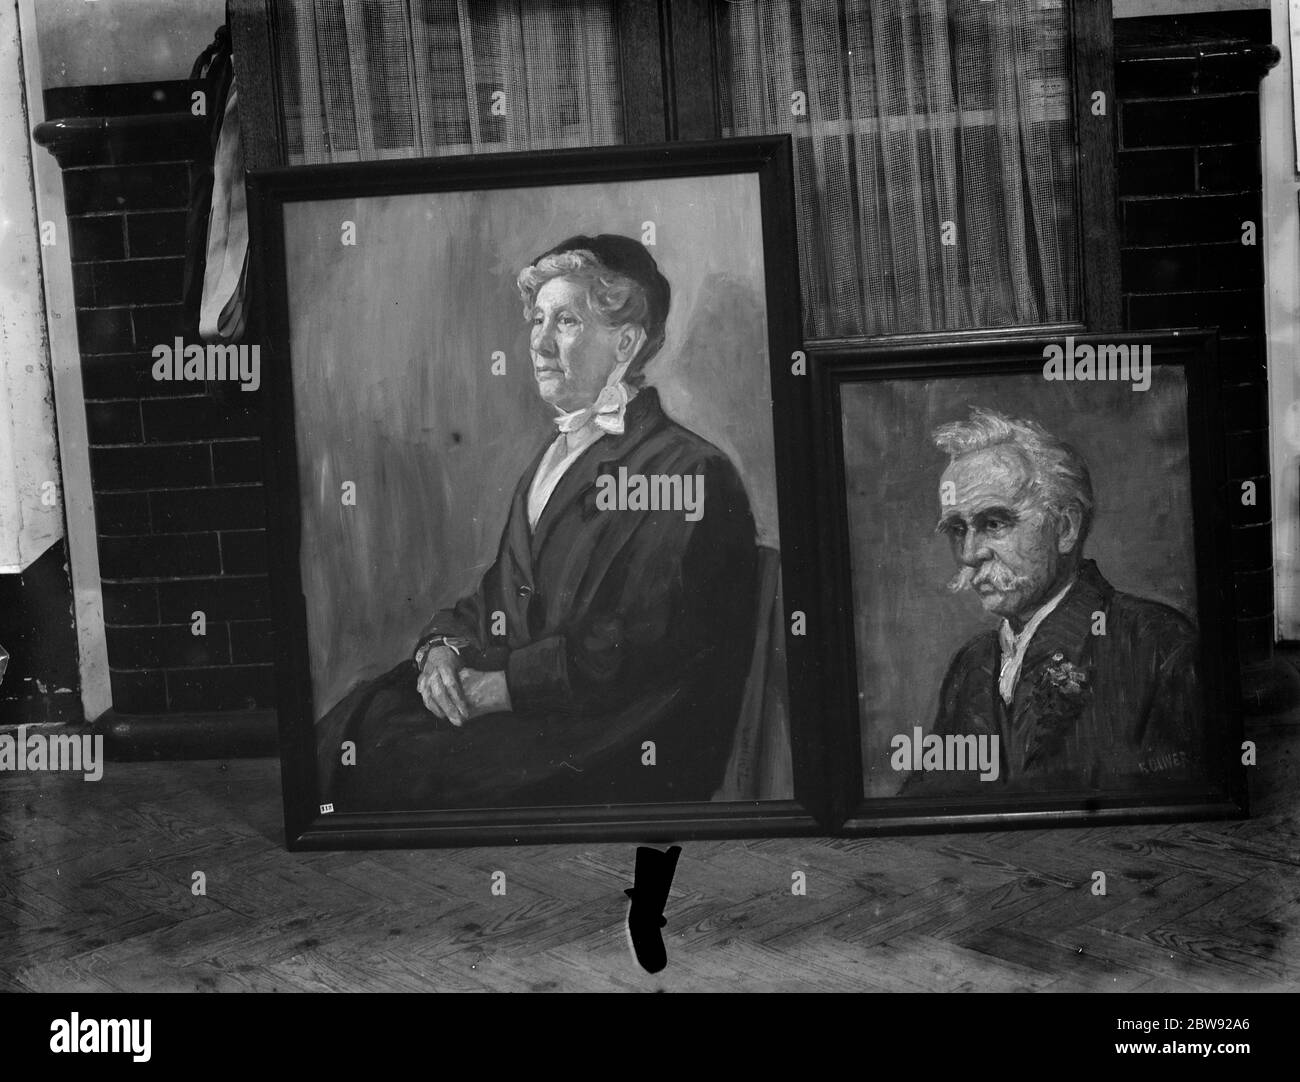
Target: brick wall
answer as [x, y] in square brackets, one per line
[1189, 177]
[176, 472]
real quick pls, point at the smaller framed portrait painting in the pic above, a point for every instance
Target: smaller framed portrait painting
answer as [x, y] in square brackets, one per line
[1028, 566]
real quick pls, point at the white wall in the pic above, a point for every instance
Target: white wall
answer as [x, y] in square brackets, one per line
[1282, 311]
[52, 274]
[31, 512]
[92, 42]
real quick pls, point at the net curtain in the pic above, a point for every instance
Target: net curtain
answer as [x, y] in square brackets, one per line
[368, 79]
[933, 153]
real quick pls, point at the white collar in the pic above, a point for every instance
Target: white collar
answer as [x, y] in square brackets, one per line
[1027, 632]
[606, 412]
[1015, 646]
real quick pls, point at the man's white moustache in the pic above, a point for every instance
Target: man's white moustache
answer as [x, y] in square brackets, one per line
[962, 580]
[1001, 578]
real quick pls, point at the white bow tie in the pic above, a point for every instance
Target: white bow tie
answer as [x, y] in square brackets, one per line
[607, 411]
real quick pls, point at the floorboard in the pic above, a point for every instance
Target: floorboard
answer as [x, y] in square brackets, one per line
[96, 896]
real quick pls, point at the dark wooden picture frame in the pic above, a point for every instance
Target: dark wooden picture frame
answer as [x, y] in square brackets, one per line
[1223, 792]
[306, 825]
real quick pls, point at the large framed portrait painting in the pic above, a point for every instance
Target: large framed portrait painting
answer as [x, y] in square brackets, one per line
[1029, 574]
[537, 453]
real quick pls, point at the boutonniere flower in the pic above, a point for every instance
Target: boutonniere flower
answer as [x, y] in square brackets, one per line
[1058, 698]
[1065, 676]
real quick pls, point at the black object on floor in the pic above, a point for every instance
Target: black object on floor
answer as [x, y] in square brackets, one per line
[649, 894]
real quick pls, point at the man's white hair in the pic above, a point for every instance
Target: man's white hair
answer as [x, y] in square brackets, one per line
[1059, 475]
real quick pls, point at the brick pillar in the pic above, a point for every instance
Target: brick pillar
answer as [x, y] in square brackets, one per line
[1190, 192]
[176, 472]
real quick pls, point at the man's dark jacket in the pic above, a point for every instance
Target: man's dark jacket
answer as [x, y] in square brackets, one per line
[620, 627]
[1107, 697]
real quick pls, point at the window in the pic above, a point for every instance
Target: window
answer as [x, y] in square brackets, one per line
[954, 172]
[934, 156]
[416, 78]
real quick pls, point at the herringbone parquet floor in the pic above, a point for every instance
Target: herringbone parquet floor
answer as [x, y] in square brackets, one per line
[95, 894]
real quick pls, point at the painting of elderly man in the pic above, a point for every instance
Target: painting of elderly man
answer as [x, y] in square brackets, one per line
[539, 532]
[1025, 613]
[1085, 686]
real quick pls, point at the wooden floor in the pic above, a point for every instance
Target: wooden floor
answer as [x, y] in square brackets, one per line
[95, 894]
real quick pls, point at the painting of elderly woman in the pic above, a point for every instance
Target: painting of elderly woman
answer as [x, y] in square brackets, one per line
[539, 533]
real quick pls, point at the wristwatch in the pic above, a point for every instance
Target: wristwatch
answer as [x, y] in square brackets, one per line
[454, 642]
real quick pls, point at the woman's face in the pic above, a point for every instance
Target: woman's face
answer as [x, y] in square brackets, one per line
[573, 351]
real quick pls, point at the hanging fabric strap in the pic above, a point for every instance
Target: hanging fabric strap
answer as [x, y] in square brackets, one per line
[213, 72]
[223, 312]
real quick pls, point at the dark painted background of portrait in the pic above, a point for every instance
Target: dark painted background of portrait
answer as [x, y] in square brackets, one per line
[907, 624]
[392, 345]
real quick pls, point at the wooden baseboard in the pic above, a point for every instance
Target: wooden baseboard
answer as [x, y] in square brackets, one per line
[241, 734]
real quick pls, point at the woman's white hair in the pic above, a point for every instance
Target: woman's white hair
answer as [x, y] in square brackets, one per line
[615, 298]
[1059, 475]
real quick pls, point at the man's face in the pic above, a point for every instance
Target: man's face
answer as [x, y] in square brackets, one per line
[573, 351]
[1012, 551]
